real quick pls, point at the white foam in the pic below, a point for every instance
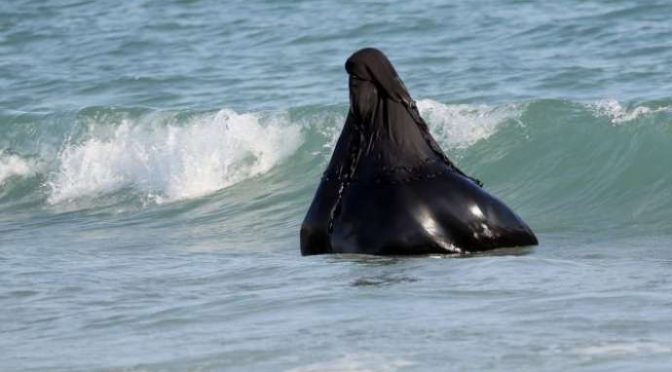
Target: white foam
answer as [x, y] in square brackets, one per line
[12, 165]
[330, 126]
[171, 162]
[360, 362]
[632, 348]
[618, 114]
[461, 125]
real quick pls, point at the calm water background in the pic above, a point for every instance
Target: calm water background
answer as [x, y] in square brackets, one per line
[157, 158]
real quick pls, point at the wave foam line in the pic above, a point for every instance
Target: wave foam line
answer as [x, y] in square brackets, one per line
[12, 165]
[171, 162]
[618, 114]
[460, 125]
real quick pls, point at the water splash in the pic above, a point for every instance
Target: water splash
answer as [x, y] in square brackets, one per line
[618, 114]
[12, 165]
[167, 163]
[461, 125]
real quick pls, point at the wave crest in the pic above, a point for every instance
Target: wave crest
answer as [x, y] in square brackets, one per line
[618, 114]
[173, 162]
[460, 125]
[12, 165]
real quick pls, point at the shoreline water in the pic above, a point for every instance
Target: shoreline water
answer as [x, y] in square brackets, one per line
[157, 158]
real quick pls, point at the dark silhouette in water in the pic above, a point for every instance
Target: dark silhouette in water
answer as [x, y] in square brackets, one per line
[389, 189]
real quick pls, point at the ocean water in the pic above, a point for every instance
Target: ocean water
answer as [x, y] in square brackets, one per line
[157, 159]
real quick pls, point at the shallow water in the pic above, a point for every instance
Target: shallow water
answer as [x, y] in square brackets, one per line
[157, 158]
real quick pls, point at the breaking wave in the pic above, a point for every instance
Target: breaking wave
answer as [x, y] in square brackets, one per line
[172, 162]
[562, 165]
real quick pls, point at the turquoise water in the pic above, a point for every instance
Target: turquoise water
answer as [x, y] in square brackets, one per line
[157, 158]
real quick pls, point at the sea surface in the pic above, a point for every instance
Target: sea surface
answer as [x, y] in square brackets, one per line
[157, 159]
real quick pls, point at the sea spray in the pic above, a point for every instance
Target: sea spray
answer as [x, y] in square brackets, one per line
[460, 125]
[618, 114]
[12, 165]
[574, 155]
[173, 162]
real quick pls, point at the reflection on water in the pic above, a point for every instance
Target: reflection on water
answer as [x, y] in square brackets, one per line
[509, 251]
[372, 260]
[379, 281]
[364, 259]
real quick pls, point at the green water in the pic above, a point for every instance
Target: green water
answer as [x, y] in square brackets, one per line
[157, 158]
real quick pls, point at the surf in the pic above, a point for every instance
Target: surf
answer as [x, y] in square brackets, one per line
[566, 166]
